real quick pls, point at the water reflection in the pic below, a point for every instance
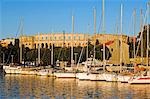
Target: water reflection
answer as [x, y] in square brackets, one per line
[38, 87]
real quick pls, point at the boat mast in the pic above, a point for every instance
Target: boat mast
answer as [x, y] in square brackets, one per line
[63, 46]
[87, 49]
[121, 39]
[3, 58]
[38, 49]
[103, 30]
[141, 26]
[134, 38]
[52, 49]
[12, 59]
[72, 62]
[148, 4]
[21, 34]
[94, 32]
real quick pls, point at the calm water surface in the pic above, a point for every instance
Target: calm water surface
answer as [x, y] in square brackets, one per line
[38, 87]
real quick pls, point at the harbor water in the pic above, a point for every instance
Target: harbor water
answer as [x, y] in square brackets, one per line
[40, 87]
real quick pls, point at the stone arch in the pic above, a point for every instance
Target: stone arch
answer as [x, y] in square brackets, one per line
[42, 45]
[38, 45]
[46, 45]
[34, 46]
[79, 44]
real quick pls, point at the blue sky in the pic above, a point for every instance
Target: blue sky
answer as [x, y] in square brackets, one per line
[55, 16]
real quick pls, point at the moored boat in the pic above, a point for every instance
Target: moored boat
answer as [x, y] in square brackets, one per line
[45, 72]
[28, 72]
[65, 74]
[111, 77]
[12, 70]
[83, 76]
[96, 77]
[123, 78]
[140, 80]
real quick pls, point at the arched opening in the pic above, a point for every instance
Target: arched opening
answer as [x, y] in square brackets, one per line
[79, 44]
[38, 45]
[42, 45]
[34, 46]
[46, 45]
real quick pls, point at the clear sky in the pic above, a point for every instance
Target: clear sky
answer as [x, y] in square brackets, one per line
[55, 16]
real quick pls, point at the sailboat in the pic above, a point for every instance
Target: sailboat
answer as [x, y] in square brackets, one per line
[107, 76]
[68, 74]
[122, 76]
[96, 76]
[43, 71]
[112, 76]
[143, 78]
[13, 68]
[88, 74]
[84, 73]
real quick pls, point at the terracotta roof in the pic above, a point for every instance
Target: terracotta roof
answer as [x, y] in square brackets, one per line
[109, 42]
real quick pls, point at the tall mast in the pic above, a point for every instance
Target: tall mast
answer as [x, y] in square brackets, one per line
[134, 14]
[148, 4]
[52, 48]
[103, 17]
[72, 62]
[121, 39]
[103, 30]
[63, 45]
[87, 49]
[3, 58]
[94, 30]
[21, 34]
[141, 26]
[38, 49]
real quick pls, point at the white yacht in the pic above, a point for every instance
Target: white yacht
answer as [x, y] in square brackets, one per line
[123, 78]
[109, 76]
[144, 78]
[65, 74]
[87, 74]
[12, 69]
[45, 72]
[83, 76]
[139, 80]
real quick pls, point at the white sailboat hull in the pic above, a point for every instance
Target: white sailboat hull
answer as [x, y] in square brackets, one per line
[96, 77]
[140, 80]
[12, 71]
[44, 72]
[28, 72]
[123, 78]
[90, 76]
[83, 76]
[65, 75]
[110, 77]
